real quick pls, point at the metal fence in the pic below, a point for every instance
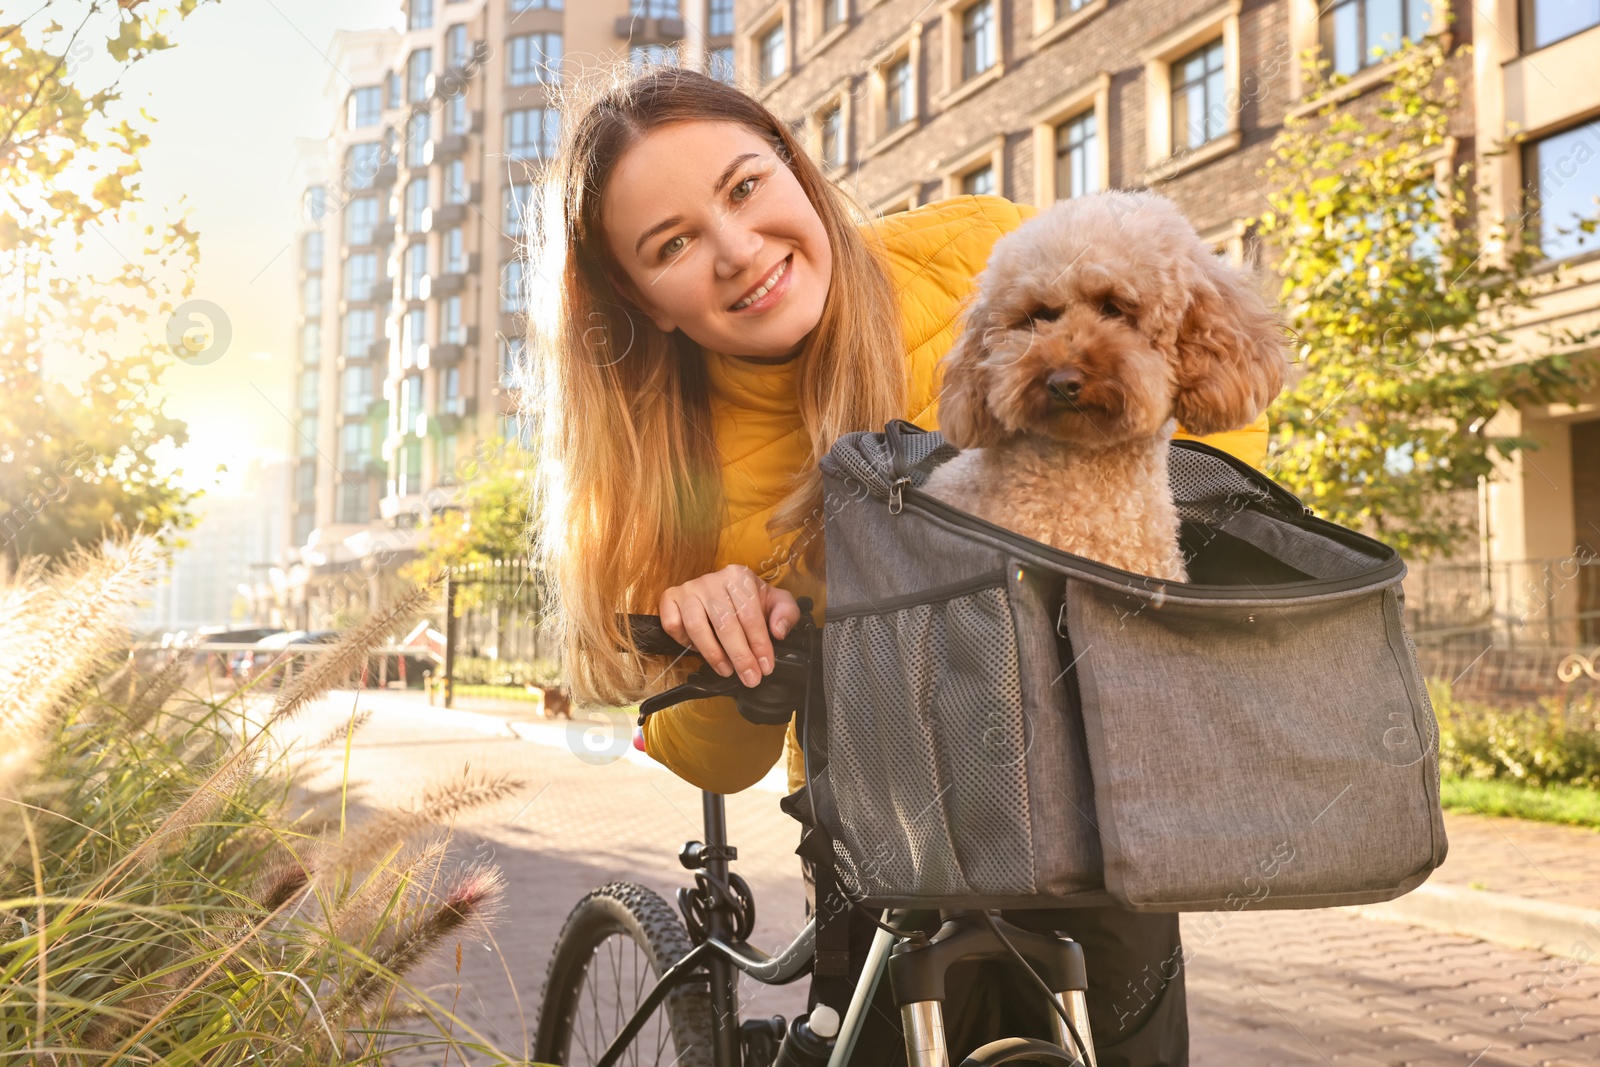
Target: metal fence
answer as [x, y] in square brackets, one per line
[492, 611]
[1509, 631]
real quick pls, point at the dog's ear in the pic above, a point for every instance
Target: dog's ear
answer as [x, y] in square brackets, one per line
[964, 416]
[1231, 351]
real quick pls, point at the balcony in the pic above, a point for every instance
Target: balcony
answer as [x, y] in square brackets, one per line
[386, 174]
[445, 353]
[446, 215]
[452, 281]
[644, 30]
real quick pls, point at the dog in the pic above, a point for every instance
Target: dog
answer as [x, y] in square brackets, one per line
[1098, 327]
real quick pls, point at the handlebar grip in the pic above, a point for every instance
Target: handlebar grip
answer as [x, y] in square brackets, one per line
[652, 639]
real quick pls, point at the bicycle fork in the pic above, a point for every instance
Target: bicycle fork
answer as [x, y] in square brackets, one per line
[917, 974]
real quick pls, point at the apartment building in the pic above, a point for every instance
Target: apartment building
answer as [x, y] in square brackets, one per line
[409, 257]
[908, 101]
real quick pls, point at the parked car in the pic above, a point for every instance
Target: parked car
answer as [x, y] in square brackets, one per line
[230, 661]
[269, 648]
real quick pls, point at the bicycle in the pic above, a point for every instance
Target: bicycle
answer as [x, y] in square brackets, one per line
[622, 938]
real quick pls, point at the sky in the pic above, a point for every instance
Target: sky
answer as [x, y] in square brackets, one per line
[245, 80]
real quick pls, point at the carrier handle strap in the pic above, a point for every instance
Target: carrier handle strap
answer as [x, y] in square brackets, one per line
[831, 965]
[894, 432]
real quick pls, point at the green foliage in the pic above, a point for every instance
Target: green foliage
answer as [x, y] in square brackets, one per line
[1569, 805]
[489, 519]
[478, 670]
[80, 461]
[1536, 745]
[169, 893]
[1401, 298]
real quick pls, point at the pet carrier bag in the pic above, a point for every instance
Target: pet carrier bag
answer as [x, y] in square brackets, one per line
[1008, 725]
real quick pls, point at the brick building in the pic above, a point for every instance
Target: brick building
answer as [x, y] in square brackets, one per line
[908, 101]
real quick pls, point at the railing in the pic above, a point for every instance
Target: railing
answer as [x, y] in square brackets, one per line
[1535, 603]
[492, 611]
[1510, 631]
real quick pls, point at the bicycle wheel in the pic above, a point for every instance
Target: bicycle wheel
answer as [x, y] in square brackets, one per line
[615, 944]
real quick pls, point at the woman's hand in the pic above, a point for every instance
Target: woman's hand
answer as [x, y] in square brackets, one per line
[726, 615]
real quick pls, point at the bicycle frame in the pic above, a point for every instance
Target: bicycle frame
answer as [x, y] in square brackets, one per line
[716, 957]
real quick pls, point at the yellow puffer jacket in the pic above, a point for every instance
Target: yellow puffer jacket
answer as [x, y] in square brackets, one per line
[933, 254]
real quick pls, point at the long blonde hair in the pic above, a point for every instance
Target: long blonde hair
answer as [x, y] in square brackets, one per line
[627, 486]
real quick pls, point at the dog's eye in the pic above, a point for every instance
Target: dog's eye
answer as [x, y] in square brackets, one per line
[1044, 315]
[1111, 309]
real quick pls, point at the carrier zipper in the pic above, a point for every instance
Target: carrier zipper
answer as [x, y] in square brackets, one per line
[1286, 591]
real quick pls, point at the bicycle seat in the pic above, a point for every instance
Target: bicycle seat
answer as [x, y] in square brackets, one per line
[769, 702]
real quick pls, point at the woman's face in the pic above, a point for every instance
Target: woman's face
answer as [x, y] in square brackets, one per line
[716, 238]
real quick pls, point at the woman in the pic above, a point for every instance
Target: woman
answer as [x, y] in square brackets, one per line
[719, 321]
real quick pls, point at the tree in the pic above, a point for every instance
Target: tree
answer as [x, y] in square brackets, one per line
[1402, 301]
[489, 521]
[75, 461]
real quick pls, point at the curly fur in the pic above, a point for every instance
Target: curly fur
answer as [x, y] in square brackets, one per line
[1099, 326]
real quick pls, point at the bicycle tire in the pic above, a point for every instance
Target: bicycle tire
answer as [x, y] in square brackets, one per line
[678, 1033]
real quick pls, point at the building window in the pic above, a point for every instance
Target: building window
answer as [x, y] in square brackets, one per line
[899, 96]
[535, 5]
[366, 107]
[1548, 21]
[655, 9]
[355, 389]
[413, 337]
[355, 446]
[450, 403]
[457, 190]
[455, 45]
[719, 64]
[832, 131]
[361, 220]
[360, 274]
[354, 504]
[420, 15]
[305, 488]
[1561, 174]
[518, 202]
[310, 344]
[512, 351]
[532, 133]
[306, 436]
[453, 331]
[408, 468]
[456, 118]
[311, 251]
[311, 297]
[416, 272]
[644, 56]
[416, 204]
[1067, 7]
[774, 53]
[314, 204]
[417, 154]
[535, 59]
[1358, 33]
[410, 403]
[511, 300]
[719, 18]
[1199, 85]
[309, 379]
[360, 331]
[979, 38]
[455, 251]
[979, 182]
[361, 165]
[418, 66]
[1077, 157]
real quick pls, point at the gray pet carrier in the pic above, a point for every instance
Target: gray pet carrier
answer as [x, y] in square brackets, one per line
[1008, 725]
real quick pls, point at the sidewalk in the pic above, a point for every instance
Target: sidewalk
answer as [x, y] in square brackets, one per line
[1509, 881]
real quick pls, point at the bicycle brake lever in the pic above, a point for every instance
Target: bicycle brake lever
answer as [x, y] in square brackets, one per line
[703, 682]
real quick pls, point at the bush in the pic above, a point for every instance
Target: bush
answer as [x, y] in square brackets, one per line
[162, 897]
[477, 670]
[1538, 745]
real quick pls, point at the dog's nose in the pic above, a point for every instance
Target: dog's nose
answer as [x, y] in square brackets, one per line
[1065, 384]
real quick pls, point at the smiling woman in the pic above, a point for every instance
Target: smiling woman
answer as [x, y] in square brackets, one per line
[701, 264]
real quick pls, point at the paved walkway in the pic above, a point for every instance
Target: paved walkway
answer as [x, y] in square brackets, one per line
[1267, 989]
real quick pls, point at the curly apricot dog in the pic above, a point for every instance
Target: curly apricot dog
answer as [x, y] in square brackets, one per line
[1099, 326]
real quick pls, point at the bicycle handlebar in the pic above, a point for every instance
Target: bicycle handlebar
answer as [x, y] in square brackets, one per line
[770, 702]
